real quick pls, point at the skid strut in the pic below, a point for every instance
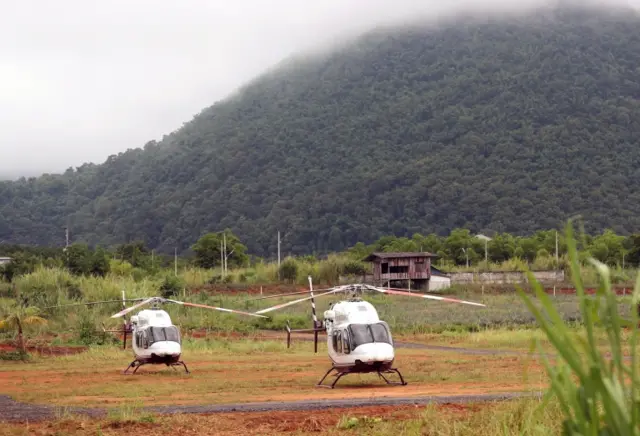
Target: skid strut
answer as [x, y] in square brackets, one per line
[137, 364]
[340, 373]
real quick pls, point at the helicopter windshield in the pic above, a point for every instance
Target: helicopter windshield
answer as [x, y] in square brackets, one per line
[369, 333]
[159, 334]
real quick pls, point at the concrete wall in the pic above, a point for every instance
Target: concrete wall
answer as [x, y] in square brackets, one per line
[505, 277]
[439, 282]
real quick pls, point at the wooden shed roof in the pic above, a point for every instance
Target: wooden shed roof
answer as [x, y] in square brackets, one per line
[383, 255]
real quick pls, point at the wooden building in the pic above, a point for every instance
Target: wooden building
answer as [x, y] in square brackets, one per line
[406, 270]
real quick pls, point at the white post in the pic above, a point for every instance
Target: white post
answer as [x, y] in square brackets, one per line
[486, 253]
[221, 260]
[224, 239]
[554, 290]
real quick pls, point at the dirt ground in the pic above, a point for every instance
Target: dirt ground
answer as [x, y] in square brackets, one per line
[242, 371]
[233, 424]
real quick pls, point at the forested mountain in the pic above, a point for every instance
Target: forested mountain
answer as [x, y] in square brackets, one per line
[496, 125]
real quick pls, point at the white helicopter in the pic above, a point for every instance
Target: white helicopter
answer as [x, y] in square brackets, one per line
[357, 340]
[155, 339]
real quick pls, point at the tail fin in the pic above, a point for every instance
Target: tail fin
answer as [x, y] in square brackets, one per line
[313, 304]
[318, 326]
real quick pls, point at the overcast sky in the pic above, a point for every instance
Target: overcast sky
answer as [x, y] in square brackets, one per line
[82, 79]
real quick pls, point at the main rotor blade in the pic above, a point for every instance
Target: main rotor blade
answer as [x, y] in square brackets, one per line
[135, 306]
[93, 302]
[286, 295]
[204, 306]
[431, 297]
[290, 303]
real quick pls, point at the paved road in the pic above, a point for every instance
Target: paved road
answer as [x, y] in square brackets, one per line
[21, 412]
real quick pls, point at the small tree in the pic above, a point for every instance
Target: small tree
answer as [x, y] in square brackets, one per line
[208, 253]
[289, 270]
[18, 319]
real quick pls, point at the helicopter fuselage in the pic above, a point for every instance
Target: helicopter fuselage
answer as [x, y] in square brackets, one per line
[357, 340]
[155, 338]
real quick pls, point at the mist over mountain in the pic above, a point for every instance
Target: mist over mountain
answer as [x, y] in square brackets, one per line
[500, 124]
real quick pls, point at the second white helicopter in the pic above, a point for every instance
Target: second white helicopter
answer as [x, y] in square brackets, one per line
[358, 341]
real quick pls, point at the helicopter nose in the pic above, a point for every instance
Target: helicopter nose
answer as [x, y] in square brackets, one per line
[376, 352]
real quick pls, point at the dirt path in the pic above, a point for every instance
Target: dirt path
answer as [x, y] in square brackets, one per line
[12, 411]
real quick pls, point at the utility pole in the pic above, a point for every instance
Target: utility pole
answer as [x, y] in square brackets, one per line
[66, 247]
[221, 259]
[224, 238]
[557, 258]
[175, 261]
[278, 250]
[486, 252]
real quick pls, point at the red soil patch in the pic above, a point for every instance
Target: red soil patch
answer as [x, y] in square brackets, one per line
[47, 350]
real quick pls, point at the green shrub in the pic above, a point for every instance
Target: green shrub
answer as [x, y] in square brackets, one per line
[171, 286]
[289, 270]
[353, 268]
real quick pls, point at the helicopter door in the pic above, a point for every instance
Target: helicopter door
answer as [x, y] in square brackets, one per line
[346, 342]
[139, 339]
[145, 339]
[341, 343]
[337, 341]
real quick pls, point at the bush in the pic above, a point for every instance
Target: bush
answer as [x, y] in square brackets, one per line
[329, 271]
[289, 270]
[354, 268]
[171, 286]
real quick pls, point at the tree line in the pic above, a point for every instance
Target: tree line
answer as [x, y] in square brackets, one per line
[459, 248]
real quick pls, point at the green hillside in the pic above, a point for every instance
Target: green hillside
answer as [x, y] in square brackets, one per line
[503, 125]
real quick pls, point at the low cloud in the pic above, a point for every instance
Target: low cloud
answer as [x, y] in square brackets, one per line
[82, 80]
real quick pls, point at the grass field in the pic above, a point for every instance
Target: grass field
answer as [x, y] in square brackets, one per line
[405, 315]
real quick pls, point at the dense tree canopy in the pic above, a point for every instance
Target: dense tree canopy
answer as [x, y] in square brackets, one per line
[508, 125]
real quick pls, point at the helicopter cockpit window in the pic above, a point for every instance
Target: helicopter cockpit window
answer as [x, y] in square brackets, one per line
[369, 333]
[160, 334]
[380, 332]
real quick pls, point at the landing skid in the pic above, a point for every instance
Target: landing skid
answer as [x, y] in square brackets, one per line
[137, 364]
[339, 373]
